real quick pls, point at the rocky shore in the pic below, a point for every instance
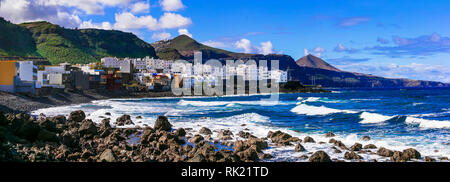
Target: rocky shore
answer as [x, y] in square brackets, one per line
[77, 139]
[17, 103]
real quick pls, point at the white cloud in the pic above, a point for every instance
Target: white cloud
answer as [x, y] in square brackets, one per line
[184, 31]
[127, 21]
[244, 44]
[67, 13]
[140, 7]
[172, 20]
[103, 25]
[18, 11]
[161, 36]
[340, 48]
[171, 5]
[306, 52]
[316, 51]
[215, 44]
[88, 6]
[266, 48]
[248, 47]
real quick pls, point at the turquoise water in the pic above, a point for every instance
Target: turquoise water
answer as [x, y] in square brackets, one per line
[396, 119]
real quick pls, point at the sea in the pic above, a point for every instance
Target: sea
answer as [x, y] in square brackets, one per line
[396, 119]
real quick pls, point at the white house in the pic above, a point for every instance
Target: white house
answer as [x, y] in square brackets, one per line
[27, 71]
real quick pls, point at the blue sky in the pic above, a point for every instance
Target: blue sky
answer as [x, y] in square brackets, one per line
[401, 38]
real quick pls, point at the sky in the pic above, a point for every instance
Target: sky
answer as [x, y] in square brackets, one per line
[394, 39]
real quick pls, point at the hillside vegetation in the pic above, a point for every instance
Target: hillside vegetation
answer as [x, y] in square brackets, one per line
[58, 44]
[16, 40]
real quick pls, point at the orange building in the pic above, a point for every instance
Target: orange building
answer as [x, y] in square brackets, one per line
[8, 73]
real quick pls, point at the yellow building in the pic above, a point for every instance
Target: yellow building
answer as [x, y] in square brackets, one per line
[8, 72]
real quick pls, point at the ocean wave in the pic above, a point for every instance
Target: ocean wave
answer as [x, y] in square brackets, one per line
[317, 111]
[370, 118]
[319, 99]
[426, 123]
[228, 103]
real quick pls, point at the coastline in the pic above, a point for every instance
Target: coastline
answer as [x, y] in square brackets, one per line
[77, 139]
[19, 103]
[302, 147]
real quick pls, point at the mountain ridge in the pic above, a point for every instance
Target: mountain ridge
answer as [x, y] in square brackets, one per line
[59, 44]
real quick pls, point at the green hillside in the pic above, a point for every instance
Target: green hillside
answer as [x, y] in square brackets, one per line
[186, 46]
[58, 44]
[16, 40]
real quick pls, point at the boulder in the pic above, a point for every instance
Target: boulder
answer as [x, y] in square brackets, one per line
[260, 144]
[47, 124]
[319, 156]
[356, 147]
[340, 145]
[384, 152]
[370, 146]
[329, 134]
[365, 138]
[255, 143]
[352, 156]
[299, 148]
[180, 132]
[107, 156]
[87, 128]
[162, 123]
[225, 135]
[197, 158]
[77, 116]
[124, 120]
[309, 140]
[47, 136]
[411, 153]
[281, 138]
[28, 130]
[429, 159]
[398, 157]
[69, 138]
[244, 134]
[196, 139]
[205, 131]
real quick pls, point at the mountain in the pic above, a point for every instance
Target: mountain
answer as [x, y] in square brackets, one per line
[16, 40]
[184, 47]
[59, 44]
[316, 70]
[306, 70]
[315, 62]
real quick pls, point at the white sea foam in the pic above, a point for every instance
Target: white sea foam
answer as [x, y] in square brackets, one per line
[368, 118]
[317, 111]
[229, 103]
[259, 125]
[319, 99]
[309, 99]
[439, 114]
[427, 124]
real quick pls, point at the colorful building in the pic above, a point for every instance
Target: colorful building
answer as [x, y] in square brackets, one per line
[8, 75]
